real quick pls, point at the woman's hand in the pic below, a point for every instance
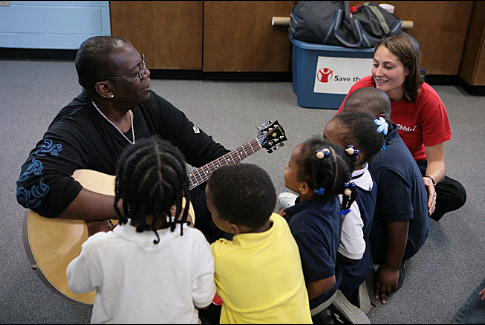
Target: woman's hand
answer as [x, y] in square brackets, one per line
[431, 194]
[437, 170]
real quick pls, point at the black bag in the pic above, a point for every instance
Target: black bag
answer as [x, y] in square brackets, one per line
[330, 22]
[376, 23]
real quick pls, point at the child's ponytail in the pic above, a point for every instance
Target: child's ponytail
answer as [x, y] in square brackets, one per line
[326, 167]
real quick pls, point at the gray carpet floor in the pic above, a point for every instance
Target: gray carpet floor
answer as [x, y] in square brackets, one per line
[438, 279]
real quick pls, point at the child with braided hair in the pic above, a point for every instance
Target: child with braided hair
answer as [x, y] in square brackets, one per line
[146, 270]
[369, 136]
[319, 171]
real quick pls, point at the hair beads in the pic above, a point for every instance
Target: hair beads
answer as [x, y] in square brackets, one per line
[351, 151]
[321, 153]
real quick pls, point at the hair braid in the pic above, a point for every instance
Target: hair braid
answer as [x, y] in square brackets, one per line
[329, 173]
[151, 177]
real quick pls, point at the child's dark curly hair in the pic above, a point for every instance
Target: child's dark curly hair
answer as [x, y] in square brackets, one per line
[358, 129]
[243, 194]
[330, 173]
[151, 177]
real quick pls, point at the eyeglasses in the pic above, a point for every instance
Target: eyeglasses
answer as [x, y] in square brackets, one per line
[139, 74]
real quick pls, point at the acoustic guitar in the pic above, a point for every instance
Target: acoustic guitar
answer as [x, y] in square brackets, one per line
[51, 244]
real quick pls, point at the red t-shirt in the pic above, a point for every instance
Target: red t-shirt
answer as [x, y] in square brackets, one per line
[422, 123]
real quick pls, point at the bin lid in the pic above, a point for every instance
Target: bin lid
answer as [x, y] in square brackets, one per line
[323, 47]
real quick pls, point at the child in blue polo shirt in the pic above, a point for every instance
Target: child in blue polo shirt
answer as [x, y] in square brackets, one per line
[401, 221]
[319, 171]
[368, 135]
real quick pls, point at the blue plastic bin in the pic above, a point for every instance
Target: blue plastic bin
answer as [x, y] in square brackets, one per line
[328, 86]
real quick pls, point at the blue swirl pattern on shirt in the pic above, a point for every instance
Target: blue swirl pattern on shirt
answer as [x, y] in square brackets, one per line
[49, 147]
[34, 168]
[31, 198]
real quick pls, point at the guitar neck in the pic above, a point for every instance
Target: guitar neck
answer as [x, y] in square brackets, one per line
[201, 175]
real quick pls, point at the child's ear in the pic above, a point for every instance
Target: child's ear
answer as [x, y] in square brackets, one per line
[304, 188]
[360, 157]
[234, 228]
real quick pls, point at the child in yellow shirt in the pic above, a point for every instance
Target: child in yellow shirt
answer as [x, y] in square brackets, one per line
[258, 274]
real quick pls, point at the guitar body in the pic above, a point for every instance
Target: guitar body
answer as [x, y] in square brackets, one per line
[51, 244]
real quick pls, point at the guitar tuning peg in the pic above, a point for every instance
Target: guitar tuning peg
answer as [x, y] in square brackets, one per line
[259, 129]
[276, 147]
[282, 144]
[269, 122]
[264, 125]
[270, 150]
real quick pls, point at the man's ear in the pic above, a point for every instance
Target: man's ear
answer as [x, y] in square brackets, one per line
[103, 88]
[234, 228]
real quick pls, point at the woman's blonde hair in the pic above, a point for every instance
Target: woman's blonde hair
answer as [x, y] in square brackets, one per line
[407, 51]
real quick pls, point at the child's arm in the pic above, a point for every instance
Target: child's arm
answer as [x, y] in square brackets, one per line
[317, 288]
[205, 291]
[388, 273]
[84, 273]
[204, 287]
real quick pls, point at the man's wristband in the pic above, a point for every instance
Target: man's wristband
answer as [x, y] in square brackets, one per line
[432, 179]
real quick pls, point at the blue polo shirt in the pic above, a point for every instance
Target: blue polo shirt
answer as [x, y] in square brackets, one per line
[316, 227]
[401, 195]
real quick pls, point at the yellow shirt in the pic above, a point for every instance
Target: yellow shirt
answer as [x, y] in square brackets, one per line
[260, 279]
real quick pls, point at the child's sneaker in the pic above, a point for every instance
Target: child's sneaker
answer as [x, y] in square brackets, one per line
[363, 299]
[286, 199]
[324, 317]
[349, 313]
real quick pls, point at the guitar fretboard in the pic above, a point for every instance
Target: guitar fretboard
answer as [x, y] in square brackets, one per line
[200, 175]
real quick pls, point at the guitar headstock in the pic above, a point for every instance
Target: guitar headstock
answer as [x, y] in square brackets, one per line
[271, 136]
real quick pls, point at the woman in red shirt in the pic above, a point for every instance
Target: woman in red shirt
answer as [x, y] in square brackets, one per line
[421, 117]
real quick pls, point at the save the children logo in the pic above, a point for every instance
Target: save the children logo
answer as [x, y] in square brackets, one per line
[324, 75]
[335, 75]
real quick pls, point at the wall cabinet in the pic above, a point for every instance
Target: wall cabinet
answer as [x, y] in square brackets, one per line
[239, 36]
[232, 36]
[440, 27]
[472, 69]
[169, 33]
[205, 35]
